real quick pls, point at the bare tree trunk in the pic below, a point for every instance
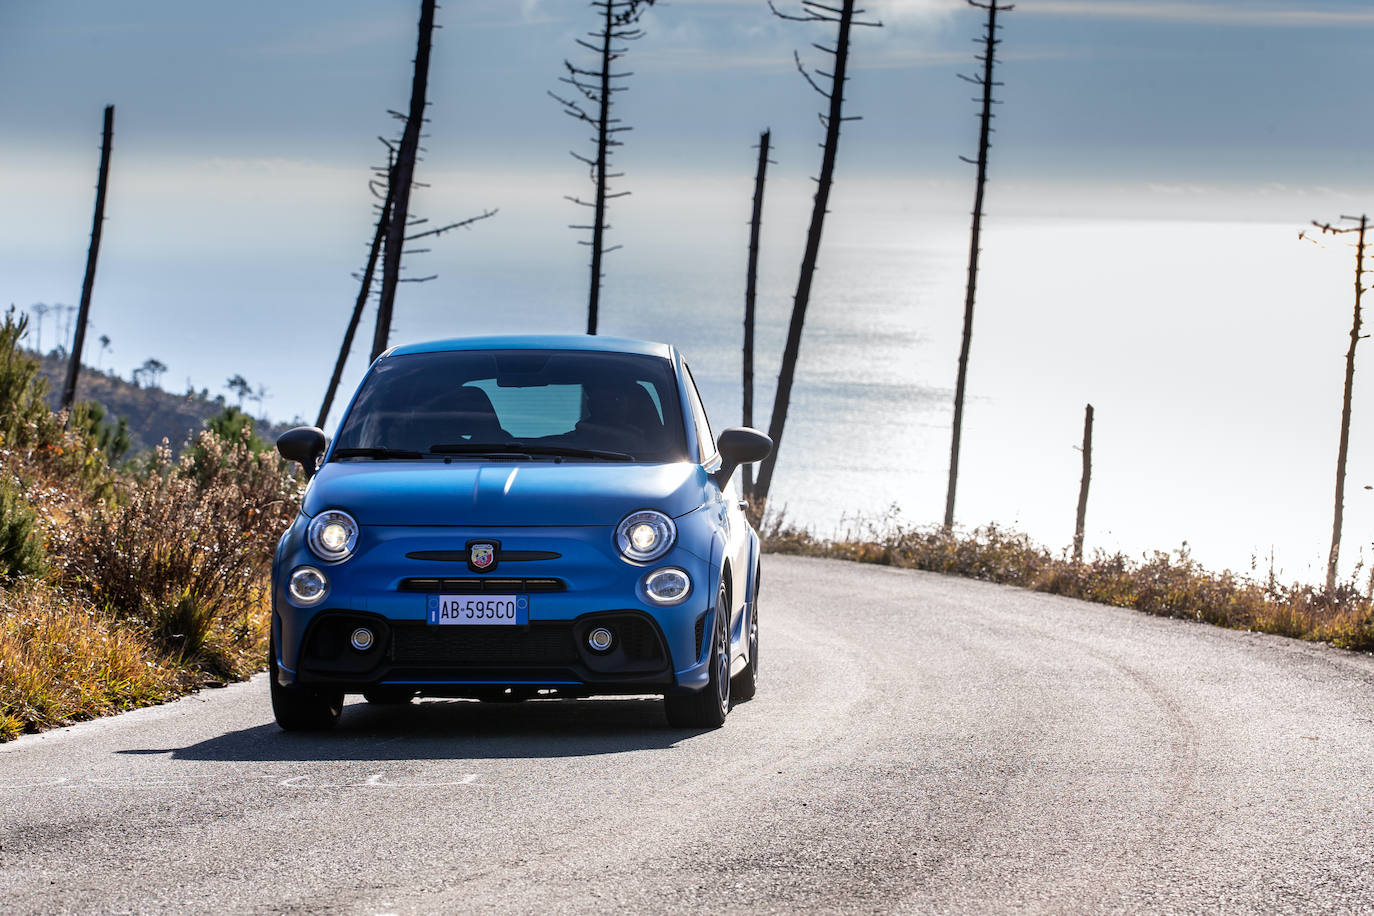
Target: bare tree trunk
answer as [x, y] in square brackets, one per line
[990, 43]
[750, 290]
[598, 86]
[364, 291]
[1345, 410]
[1083, 484]
[844, 17]
[92, 254]
[401, 181]
[602, 137]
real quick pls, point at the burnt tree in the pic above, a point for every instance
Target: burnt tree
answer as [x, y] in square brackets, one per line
[750, 291]
[591, 104]
[843, 19]
[364, 288]
[1083, 484]
[985, 80]
[92, 254]
[402, 175]
[385, 179]
[1361, 224]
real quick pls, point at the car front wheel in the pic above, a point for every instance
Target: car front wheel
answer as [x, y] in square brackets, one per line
[708, 707]
[302, 709]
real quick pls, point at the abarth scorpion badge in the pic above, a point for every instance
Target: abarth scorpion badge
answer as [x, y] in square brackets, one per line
[482, 556]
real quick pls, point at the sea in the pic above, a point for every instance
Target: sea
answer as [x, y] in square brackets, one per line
[1213, 355]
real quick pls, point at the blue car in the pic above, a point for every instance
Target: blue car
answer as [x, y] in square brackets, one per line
[505, 518]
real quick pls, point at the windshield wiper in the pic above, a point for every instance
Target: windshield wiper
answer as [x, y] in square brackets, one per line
[522, 448]
[376, 453]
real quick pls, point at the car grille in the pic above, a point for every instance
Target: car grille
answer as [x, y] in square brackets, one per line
[470, 585]
[541, 645]
[638, 639]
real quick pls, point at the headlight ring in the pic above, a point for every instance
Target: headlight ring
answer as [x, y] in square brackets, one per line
[307, 586]
[332, 535]
[645, 535]
[668, 585]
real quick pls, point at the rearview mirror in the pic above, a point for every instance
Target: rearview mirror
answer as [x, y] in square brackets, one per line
[740, 445]
[304, 445]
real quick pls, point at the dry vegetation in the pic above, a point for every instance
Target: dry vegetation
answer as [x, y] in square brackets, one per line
[121, 587]
[1165, 584]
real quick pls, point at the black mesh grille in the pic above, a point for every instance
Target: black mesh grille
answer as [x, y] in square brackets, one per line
[470, 585]
[481, 647]
[638, 639]
[701, 631]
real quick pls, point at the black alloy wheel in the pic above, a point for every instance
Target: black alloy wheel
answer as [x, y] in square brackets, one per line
[708, 707]
[302, 709]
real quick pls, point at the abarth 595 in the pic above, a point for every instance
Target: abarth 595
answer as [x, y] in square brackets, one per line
[507, 518]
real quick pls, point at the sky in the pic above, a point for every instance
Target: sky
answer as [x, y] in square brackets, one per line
[244, 134]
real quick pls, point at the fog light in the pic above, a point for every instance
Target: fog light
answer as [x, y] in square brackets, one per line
[600, 639]
[668, 585]
[361, 639]
[307, 585]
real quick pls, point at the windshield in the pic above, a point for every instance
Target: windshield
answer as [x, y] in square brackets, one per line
[574, 403]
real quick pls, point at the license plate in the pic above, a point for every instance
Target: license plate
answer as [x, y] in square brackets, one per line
[479, 610]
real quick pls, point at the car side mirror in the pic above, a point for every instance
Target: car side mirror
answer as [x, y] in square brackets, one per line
[740, 445]
[304, 445]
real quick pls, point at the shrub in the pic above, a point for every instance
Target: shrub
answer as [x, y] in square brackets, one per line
[111, 439]
[24, 415]
[21, 553]
[186, 549]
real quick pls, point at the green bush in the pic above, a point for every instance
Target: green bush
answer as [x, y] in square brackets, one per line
[24, 415]
[21, 553]
[112, 439]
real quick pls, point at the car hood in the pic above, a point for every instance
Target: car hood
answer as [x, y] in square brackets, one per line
[536, 493]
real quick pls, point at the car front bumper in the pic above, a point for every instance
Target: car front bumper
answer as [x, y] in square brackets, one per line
[573, 579]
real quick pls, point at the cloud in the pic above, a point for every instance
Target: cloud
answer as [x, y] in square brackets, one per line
[338, 37]
[886, 10]
[1229, 14]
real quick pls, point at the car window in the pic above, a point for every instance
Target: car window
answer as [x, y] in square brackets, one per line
[583, 399]
[705, 440]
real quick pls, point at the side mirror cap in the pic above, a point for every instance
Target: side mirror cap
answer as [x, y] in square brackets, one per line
[304, 445]
[740, 445]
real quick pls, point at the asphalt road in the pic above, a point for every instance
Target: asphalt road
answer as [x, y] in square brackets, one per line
[919, 744]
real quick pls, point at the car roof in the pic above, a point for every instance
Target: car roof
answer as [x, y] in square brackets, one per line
[539, 342]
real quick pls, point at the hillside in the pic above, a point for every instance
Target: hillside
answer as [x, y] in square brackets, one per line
[152, 414]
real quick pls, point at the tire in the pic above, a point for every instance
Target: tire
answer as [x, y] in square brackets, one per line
[708, 707]
[302, 709]
[746, 683]
[389, 696]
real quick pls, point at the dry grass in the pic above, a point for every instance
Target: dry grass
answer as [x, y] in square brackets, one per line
[1164, 584]
[62, 661]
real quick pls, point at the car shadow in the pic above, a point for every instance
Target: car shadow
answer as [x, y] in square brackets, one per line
[453, 730]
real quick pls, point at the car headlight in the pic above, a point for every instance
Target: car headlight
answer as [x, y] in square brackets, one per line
[332, 535]
[645, 535]
[307, 585]
[668, 585]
